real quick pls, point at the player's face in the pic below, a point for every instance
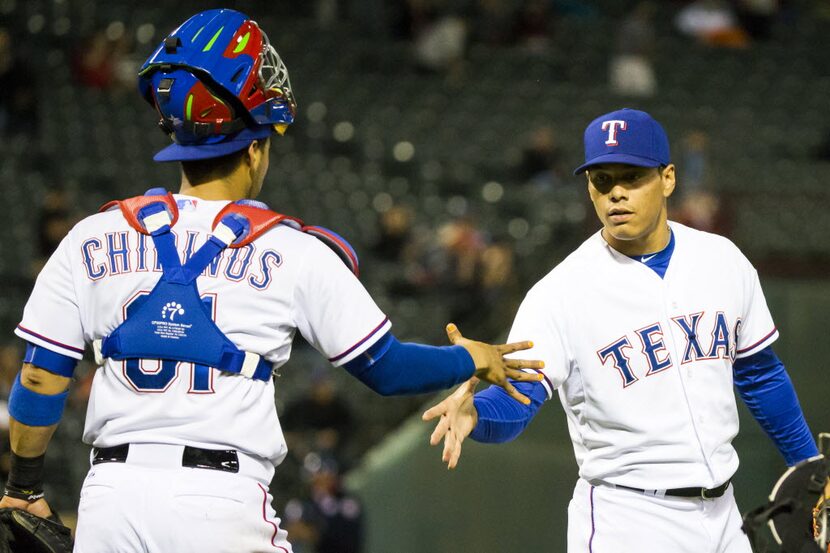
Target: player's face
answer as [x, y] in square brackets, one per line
[631, 203]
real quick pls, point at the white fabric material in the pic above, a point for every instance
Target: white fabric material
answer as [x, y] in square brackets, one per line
[223, 233]
[151, 504]
[623, 521]
[96, 350]
[157, 220]
[672, 427]
[249, 364]
[261, 295]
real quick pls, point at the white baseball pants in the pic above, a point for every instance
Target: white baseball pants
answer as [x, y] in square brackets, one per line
[607, 520]
[151, 504]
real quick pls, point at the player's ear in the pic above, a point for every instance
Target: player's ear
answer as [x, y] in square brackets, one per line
[254, 152]
[668, 177]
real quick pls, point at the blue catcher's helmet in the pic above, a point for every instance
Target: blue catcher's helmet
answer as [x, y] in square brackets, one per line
[218, 84]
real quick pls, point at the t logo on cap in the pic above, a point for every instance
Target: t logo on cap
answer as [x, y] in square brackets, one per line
[645, 144]
[612, 127]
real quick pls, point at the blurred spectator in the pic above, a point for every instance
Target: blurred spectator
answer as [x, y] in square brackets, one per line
[440, 45]
[321, 420]
[500, 290]
[541, 162]
[694, 162]
[758, 16]
[99, 62]
[395, 233]
[53, 223]
[534, 26]
[328, 520]
[712, 22]
[631, 67]
[456, 265]
[438, 35]
[702, 210]
[18, 93]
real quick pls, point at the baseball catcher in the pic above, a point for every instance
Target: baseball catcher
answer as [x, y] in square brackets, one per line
[23, 532]
[797, 511]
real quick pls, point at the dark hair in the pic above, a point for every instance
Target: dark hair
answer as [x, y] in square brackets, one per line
[204, 170]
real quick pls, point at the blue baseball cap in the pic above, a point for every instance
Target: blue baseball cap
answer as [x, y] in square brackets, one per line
[625, 136]
[228, 145]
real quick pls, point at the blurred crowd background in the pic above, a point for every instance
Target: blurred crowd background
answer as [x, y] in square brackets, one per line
[438, 136]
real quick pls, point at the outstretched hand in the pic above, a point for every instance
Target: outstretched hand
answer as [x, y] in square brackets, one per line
[458, 417]
[491, 365]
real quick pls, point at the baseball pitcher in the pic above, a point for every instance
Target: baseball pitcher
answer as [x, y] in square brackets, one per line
[644, 331]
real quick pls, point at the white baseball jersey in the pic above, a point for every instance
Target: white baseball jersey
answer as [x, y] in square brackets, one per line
[260, 295]
[643, 364]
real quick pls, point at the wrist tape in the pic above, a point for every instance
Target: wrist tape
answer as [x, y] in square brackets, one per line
[25, 478]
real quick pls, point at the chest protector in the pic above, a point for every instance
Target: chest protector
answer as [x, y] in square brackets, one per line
[171, 322]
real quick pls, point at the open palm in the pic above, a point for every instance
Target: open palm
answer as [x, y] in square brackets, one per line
[457, 418]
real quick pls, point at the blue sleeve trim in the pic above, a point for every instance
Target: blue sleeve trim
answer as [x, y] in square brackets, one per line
[766, 389]
[51, 361]
[390, 367]
[500, 417]
[34, 409]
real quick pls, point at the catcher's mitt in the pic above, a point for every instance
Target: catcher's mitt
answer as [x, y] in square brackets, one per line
[22, 532]
[797, 510]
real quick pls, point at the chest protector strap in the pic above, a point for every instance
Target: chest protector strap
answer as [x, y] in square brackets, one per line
[172, 322]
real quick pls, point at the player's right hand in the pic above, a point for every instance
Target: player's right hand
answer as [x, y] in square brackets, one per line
[458, 417]
[491, 365]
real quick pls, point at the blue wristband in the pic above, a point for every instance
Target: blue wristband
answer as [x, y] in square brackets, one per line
[34, 409]
[49, 360]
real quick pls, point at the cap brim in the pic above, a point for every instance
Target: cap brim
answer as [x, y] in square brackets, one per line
[179, 152]
[193, 152]
[625, 159]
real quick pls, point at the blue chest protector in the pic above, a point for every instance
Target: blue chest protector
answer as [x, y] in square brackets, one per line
[172, 322]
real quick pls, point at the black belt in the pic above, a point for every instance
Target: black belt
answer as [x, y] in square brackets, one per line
[703, 493]
[215, 459]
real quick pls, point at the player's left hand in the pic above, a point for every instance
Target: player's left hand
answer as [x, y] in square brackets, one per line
[458, 417]
[39, 508]
[491, 365]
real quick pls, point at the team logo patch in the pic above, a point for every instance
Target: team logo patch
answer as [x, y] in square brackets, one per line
[168, 328]
[172, 309]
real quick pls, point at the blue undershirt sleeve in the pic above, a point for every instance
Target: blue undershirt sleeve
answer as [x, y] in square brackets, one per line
[390, 367]
[500, 417]
[49, 360]
[766, 389]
